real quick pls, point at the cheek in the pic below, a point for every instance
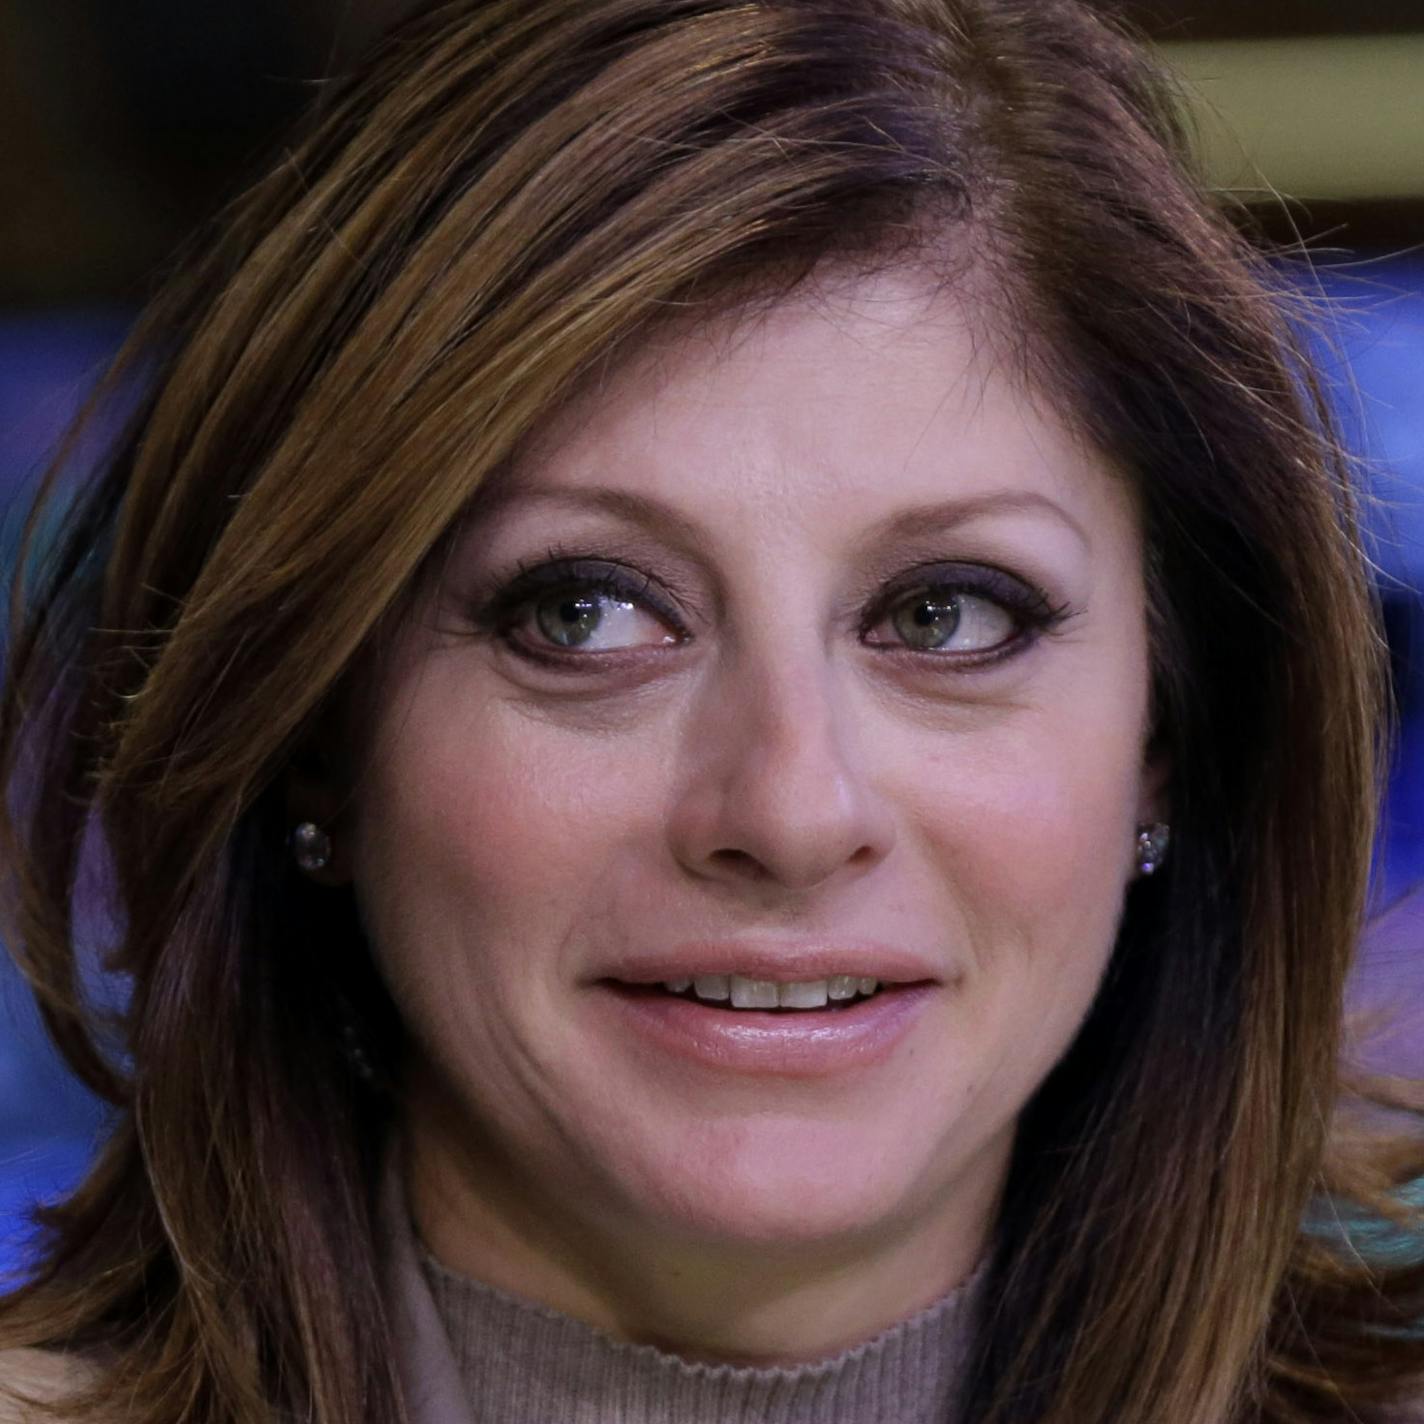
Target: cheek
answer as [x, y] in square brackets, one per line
[1035, 825]
[1029, 829]
[1027, 850]
[1058, 839]
[482, 816]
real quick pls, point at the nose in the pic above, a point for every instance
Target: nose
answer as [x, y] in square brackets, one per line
[774, 790]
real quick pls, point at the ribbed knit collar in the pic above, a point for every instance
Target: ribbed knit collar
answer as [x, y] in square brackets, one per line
[519, 1362]
[471, 1354]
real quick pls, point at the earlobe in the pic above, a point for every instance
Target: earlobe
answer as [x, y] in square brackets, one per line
[1154, 832]
[315, 808]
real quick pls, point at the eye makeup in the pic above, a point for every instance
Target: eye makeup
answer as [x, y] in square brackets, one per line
[505, 610]
[943, 583]
[560, 573]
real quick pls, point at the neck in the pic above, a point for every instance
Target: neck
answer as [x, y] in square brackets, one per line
[738, 1302]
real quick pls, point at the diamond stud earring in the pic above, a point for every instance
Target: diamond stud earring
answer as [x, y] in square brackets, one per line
[1152, 843]
[311, 846]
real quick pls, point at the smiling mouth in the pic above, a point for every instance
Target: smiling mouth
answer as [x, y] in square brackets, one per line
[743, 1025]
[740, 993]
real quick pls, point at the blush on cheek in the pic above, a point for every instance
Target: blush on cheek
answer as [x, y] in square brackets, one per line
[491, 834]
[473, 800]
[1033, 837]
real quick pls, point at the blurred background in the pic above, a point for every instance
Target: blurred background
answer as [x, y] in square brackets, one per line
[124, 123]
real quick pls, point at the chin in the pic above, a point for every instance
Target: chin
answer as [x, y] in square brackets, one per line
[779, 1183]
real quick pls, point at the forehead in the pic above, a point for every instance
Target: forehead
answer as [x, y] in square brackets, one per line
[835, 407]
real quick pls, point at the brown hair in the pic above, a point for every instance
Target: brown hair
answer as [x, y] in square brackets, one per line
[504, 198]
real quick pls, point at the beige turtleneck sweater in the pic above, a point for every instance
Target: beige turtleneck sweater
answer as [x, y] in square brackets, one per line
[471, 1354]
[521, 1362]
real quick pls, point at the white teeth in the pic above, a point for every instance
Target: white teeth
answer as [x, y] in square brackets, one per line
[753, 993]
[745, 992]
[802, 996]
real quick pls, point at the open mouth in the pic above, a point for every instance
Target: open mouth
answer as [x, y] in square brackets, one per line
[739, 993]
[734, 1023]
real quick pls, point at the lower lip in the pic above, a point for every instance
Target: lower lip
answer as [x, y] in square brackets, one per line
[801, 1043]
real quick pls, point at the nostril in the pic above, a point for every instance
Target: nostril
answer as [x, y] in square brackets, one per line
[756, 832]
[740, 862]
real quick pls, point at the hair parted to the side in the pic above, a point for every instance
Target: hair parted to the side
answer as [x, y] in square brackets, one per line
[494, 207]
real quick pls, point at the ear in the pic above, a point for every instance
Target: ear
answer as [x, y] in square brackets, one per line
[1154, 801]
[315, 792]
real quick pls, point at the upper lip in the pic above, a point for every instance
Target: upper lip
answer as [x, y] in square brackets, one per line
[786, 961]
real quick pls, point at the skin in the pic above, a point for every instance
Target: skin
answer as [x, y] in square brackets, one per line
[774, 769]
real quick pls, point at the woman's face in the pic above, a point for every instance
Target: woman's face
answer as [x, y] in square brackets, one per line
[805, 650]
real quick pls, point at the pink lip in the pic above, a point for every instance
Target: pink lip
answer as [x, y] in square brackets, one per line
[766, 959]
[804, 1043]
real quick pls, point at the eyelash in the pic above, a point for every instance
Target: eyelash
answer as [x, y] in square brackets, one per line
[502, 612]
[565, 573]
[1031, 608]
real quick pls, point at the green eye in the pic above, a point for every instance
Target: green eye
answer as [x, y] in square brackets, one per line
[569, 620]
[577, 609]
[953, 621]
[592, 620]
[927, 623]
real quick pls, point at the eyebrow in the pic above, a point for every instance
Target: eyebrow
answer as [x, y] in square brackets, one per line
[934, 517]
[675, 528]
[652, 514]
